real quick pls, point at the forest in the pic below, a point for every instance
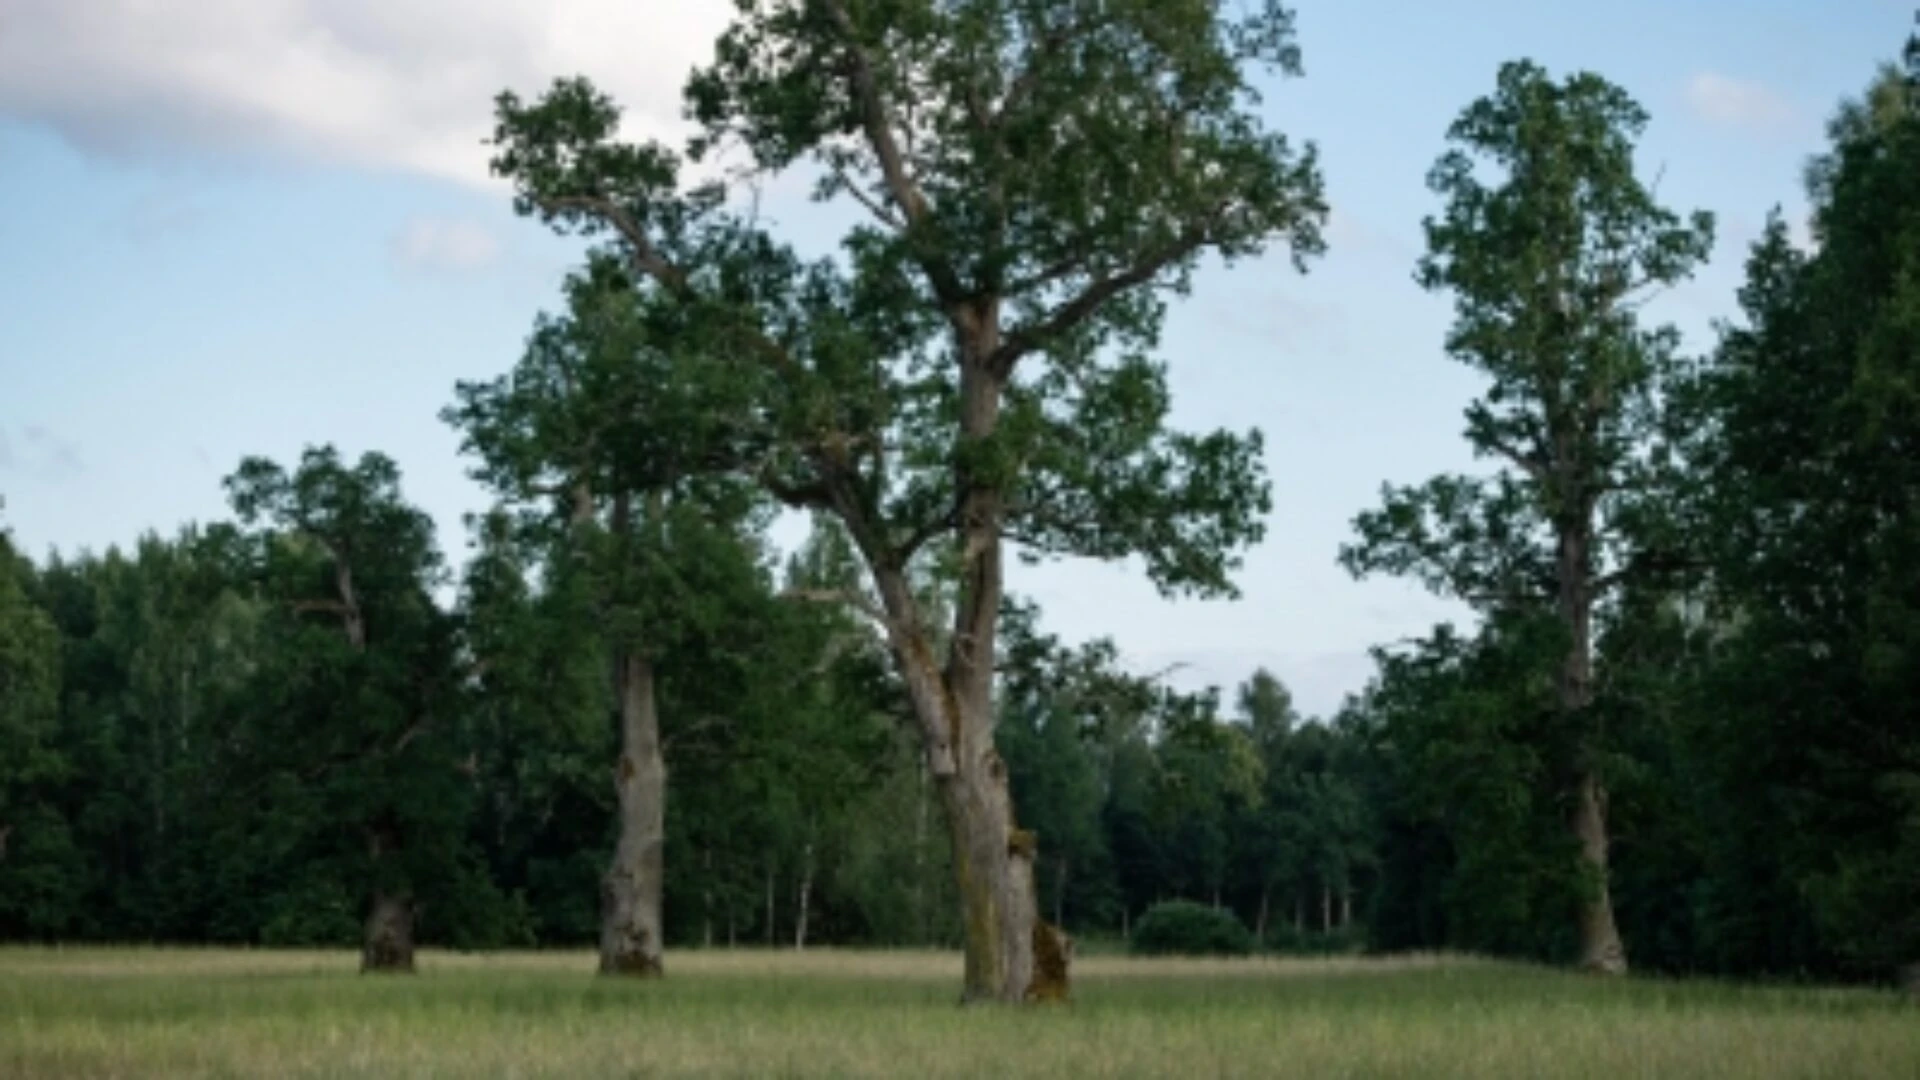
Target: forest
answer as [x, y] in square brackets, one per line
[1680, 734]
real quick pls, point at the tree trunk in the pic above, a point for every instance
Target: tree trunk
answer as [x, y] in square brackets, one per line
[1260, 920]
[1346, 906]
[1299, 923]
[992, 856]
[1601, 949]
[630, 925]
[800, 899]
[993, 868]
[1326, 908]
[768, 926]
[388, 942]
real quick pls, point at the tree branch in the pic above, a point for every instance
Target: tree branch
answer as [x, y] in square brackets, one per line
[645, 256]
[1077, 310]
[879, 212]
[878, 124]
[925, 532]
[1530, 463]
[874, 117]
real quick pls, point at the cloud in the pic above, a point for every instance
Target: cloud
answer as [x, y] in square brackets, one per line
[6, 451]
[386, 84]
[437, 244]
[1730, 102]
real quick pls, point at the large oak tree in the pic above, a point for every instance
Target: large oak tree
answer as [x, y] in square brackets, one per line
[1038, 177]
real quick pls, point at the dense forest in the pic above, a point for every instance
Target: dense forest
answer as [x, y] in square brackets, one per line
[1682, 731]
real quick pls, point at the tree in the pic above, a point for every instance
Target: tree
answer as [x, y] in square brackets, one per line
[360, 689]
[607, 432]
[35, 848]
[1550, 244]
[1466, 733]
[1038, 178]
[1810, 430]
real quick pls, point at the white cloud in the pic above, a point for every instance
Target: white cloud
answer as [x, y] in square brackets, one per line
[395, 84]
[1725, 100]
[437, 244]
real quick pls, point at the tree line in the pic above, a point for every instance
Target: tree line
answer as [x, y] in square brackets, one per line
[1681, 728]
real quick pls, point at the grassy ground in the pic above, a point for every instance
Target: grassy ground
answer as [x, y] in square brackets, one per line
[163, 1012]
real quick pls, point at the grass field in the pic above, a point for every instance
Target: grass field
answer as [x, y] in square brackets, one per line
[186, 1012]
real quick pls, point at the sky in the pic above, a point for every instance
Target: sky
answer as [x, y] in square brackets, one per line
[234, 227]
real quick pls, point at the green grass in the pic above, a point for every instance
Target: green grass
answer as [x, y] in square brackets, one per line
[164, 1012]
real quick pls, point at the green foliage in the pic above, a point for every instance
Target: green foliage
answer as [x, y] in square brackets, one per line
[1466, 734]
[38, 871]
[1808, 495]
[1547, 262]
[1184, 928]
[1549, 243]
[1069, 165]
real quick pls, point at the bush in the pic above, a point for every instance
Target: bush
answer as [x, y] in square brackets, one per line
[1184, 928]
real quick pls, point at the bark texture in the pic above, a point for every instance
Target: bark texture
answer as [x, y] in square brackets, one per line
[992, 856]
[387, 946]
[630, 925]
[1601, 950]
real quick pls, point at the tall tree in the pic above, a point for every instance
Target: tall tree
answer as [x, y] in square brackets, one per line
[1038, 178]
[606, 430]
[364, 678]
[1550, 244]
[1811, 434]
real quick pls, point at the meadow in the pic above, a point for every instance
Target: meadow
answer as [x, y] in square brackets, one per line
[234, 1013]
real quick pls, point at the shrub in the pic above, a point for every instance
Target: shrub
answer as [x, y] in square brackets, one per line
[1184, 928]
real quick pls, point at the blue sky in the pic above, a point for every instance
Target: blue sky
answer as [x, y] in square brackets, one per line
[244, 226]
